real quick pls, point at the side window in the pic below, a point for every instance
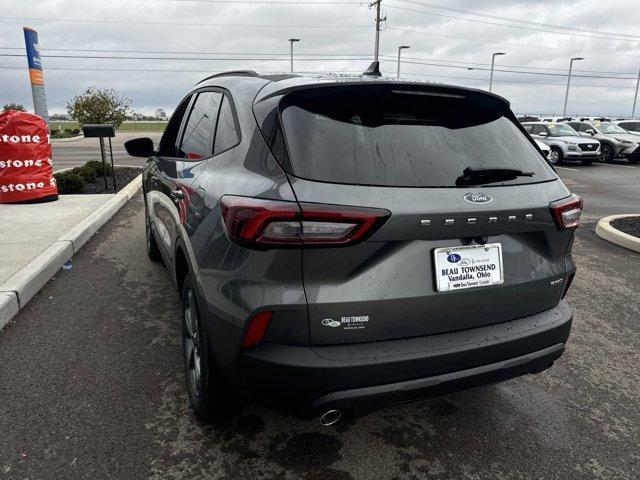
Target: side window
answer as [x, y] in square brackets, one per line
[168, 142]
[537, 129]
[528, 128]
[197, 139]
[227, 134]
[584, 127]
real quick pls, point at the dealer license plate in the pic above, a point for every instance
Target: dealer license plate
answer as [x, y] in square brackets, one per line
[468, 267]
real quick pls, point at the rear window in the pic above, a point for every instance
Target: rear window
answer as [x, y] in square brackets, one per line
[389, 136]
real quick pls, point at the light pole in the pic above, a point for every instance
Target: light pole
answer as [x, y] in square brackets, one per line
[400, 48]
[292, 41]
[635, 99]
[493, 61]
[566, 95]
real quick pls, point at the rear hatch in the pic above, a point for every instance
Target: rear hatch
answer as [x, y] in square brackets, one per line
[466, 244]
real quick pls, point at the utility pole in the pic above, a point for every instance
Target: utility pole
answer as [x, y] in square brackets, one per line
[635, 99]
[493, 61]
[379, 21]
[292, 41]
[566, 95]
[400, 48]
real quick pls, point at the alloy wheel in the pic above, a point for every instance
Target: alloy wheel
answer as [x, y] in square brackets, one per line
[192, 345]
[554, 156]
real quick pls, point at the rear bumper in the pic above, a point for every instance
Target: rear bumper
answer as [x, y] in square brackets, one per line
[364, 377]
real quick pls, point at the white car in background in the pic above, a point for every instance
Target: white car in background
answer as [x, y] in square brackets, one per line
[630, 125]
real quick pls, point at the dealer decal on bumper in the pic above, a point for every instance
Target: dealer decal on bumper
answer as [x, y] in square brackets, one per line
[347, 323]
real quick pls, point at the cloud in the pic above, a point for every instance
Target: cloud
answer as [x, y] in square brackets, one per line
[432, 34]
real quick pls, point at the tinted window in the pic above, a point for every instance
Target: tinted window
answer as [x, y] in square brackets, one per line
[197, 140]
[537, 129]
[168, 143]
[382, 136]
[528, 128]
[574, 125]
[227, 135]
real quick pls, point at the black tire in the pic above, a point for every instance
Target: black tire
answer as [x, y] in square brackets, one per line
[211, 397]
[606, 153]
[635, 160]
[555, 156]
[153, 252]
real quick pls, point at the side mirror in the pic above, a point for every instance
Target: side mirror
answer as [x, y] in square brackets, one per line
[139, 147]
[590, 131]
[543, 134]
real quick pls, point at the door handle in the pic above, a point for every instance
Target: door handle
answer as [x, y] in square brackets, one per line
[177, 194]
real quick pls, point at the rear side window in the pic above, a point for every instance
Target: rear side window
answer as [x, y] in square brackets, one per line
[197, 139]
[396, 137]
[227, 135]
[528, 128]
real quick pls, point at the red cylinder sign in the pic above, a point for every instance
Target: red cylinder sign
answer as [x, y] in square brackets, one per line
[26, 173]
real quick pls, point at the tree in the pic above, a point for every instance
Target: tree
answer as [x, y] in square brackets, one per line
[14, 106]
[99, 106]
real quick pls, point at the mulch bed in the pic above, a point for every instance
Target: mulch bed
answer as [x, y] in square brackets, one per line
[629, 225]
[124, 175]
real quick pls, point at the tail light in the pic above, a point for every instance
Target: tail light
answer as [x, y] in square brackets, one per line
[257, 222]
[257, 328]
[566, 212]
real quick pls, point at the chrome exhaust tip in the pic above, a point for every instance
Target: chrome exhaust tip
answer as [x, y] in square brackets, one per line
[330, 417]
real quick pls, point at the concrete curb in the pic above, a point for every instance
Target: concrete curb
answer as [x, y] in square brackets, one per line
[613, 235]
[67, 140]
[23, 285]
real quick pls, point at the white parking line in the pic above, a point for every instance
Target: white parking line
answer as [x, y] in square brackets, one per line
[565, 168]
[612, 165]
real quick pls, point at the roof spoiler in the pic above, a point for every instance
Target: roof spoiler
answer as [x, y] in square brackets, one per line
[373, 70]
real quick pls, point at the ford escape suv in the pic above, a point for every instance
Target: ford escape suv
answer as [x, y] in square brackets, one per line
[343, 244]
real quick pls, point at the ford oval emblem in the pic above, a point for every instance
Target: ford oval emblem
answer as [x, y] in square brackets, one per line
[453, 258]
[478, 198]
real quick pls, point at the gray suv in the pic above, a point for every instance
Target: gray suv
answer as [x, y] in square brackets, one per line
[616, 142]
[342, 244]
[564, 142]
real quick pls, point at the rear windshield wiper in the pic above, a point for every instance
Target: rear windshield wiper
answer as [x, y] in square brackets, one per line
[479, 176]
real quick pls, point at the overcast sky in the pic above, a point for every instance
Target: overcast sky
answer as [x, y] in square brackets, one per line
[241, 32]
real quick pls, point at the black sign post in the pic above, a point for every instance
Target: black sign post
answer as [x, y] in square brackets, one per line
[102, 132]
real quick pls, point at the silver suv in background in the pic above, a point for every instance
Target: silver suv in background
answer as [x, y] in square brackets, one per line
[630, 125]
[615, 141]
[564, 142]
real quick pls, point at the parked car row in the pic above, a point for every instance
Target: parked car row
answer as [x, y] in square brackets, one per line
[587, 140]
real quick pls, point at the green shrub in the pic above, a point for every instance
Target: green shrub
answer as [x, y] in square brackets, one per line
[87, 172]
[100, 168]
[69, 182]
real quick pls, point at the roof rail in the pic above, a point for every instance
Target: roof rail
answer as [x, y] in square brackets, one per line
[233, 73]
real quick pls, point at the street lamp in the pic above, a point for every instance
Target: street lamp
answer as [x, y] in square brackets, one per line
[292, 41]
[566, 95]
[493, 60]
[400, 48]
[635, 98]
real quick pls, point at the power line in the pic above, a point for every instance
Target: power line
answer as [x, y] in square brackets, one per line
[174, 52]
[516, 20]
[304, 59]
[269, 2]
[513, 81]
[389, 57]
[538, 47]
[511, 26]
[202, 59]
[313, 72]
[189, 24]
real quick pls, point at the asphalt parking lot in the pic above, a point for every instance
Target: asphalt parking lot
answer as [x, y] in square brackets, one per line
[91, 383]
[69, 154]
